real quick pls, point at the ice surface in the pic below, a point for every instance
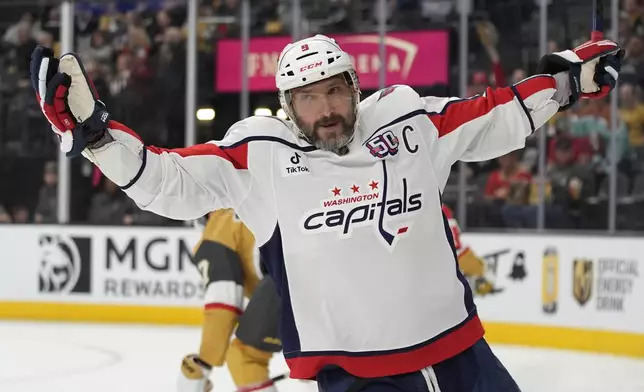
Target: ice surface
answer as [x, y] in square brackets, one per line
[59, 357]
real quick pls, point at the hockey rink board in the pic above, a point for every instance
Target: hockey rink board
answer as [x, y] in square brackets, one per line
[574, 292]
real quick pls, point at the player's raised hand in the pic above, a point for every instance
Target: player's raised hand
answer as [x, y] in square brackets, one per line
[593, 68]
[68, 99]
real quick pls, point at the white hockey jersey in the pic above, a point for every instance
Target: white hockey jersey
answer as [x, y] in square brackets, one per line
[357, 244]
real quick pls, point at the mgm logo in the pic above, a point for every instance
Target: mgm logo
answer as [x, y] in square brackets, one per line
[582, 284]
[64, 264]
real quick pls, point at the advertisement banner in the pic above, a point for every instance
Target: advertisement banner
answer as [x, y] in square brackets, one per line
[592, 283]
[568, 281]
[129, 266]
[415, 58]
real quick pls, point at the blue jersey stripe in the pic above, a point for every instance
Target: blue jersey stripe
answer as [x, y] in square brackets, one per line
[272, 255]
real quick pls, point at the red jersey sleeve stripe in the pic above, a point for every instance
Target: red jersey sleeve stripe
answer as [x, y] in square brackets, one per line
[217, 305]
[237, 155]
[117, 126]
[457, 113]
[535, 84]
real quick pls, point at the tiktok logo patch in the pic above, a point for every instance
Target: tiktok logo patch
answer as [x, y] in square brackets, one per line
[293, 163]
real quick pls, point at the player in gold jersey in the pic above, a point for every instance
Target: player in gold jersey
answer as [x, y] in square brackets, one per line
[228, 260]
[471, 265]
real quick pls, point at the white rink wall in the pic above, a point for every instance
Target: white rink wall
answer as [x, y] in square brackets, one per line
[576, 292]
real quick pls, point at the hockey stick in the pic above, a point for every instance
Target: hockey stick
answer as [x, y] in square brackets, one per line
[597, 33]
[264, 384]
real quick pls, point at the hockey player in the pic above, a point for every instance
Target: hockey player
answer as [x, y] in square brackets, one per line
[344, 203]
[472, 266]
[227, 259]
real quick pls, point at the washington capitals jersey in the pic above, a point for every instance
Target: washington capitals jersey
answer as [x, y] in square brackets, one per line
[358, 246]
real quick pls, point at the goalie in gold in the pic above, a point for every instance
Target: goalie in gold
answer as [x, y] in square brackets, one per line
[472, 266]
[228, 261]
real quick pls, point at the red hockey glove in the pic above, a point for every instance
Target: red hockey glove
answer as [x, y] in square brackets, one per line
[593, 68]
[68, 99]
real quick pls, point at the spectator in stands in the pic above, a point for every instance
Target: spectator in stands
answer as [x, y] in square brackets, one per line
[508, 175]
[96, 73]
[121, 77]
[437, 10]
[518, 75]
[99, 50]
[632, 113]
[132, 97]
[633, 65]
[268, 19]
[49, 21]
[111, 22]
[134, 216]
[489, 37]
[23, 45]
[4, 215]
[570, 184]
[567, 185]
[227, 8]
[553, 46]
[633, 12]
[508, 188]
[171, 71]
[582, 148]
[592, 121]
[46, 210]
[20, 214]
[163, 22]
[44, 38]
[108, 206]
[407, 13]
[25, 26]
[138, 41]
[478, 83]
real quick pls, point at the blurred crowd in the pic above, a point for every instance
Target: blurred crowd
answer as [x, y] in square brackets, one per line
[581, 147]
[135, 53]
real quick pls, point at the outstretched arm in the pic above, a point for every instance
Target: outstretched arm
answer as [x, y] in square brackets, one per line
[497, 122]
[183, 183]
[490, 125]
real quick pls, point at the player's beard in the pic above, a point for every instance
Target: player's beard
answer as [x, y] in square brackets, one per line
[336, 143]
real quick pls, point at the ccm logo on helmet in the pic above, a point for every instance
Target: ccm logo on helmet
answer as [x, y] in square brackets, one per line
[311, 66]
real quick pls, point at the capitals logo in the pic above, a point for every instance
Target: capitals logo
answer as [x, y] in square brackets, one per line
[391, 217]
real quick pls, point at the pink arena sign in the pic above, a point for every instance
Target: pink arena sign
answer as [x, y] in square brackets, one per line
[415, 58]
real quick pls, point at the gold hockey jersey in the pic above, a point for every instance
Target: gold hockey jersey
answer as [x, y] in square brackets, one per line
[227, 258]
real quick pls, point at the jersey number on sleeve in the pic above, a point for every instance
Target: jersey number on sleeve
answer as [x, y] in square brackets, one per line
[203, 266]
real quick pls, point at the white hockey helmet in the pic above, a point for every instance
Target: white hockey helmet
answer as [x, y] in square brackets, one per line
[311, 60]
